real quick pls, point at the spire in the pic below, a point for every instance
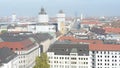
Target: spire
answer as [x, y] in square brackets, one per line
[42, 11]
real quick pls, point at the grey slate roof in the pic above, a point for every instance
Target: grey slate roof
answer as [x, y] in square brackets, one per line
[66, 49]
[12, 37]
[61, 11]
[6, 55]
[74, 50]
[42, 11]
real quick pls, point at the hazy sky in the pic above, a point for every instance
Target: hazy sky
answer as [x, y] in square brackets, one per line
[70, 7]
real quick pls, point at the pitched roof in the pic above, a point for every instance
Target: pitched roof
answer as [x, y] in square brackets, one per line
[66, 49]
[104, 47]
[14, 37]
[20, 45]
[6, 55]
[91, 22]
[112, 30]
[71, 38]
[93, 44]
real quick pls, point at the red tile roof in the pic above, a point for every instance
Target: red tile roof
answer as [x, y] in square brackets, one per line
[66, 38]
[104, 47]
[71, 38]
[111, 30]
[93, 44]
[21, 45]
[89, 22]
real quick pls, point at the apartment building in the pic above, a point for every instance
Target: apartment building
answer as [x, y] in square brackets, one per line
[62, 55]
[27, 51]
[65, 54]
[8, 59]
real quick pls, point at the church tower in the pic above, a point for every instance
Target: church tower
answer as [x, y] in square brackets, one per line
[60, 19]
[14, 17]
[43, 17]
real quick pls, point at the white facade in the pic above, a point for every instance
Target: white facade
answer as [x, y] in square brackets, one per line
[14, 17]
[68, 61]
[96, 59]
[42, 28]
[81, 17]
[18, 29]
[60, 19]
[105, 59]
[27, 57]
[43, 18]
[11, 64]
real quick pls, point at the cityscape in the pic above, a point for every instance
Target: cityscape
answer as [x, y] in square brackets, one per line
[66, 39]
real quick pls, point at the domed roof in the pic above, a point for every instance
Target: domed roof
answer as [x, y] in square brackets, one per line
[61, 11]
[42, 11]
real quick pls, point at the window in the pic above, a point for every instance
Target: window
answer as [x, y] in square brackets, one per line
[86, 62]
[104, 52]
[73, 58]
[96, 51]
[98, 55]
[93, 52]
[60, 57]
[105, 63]
[16, 48]
[11, 48]
[73, 62]
[112, 56]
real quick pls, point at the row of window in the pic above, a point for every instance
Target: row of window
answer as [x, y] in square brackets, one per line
[100, 56]
[104, 52]
[72, 58]
[67, 62]
[106, 64]
[107, 67]
[22, 61]
[67, 66]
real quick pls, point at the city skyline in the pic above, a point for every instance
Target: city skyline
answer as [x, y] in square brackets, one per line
[70, 7]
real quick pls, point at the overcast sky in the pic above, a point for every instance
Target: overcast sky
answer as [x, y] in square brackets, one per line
[70, 7]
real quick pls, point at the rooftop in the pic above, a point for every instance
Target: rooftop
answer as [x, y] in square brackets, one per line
[94, 44]
[66, 49]
[19, 45]
[42, 11]
[112, 30]
[91, 22]
[104, 47]
[14, 37]
[6, 55]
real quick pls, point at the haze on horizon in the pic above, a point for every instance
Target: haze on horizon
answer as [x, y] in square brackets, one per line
[70, 7]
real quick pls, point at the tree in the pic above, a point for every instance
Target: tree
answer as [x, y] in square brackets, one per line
[42, 61]
[4, 31]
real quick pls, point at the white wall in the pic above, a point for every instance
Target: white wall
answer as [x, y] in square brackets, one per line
[27, 57]
[42, 28]
[60, 19]
[66, 61]
[43, 18]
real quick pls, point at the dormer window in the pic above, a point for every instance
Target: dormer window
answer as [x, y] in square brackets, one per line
[16, 48]
[11, 48]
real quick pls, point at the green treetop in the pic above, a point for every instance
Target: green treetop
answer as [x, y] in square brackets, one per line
[42, 61]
